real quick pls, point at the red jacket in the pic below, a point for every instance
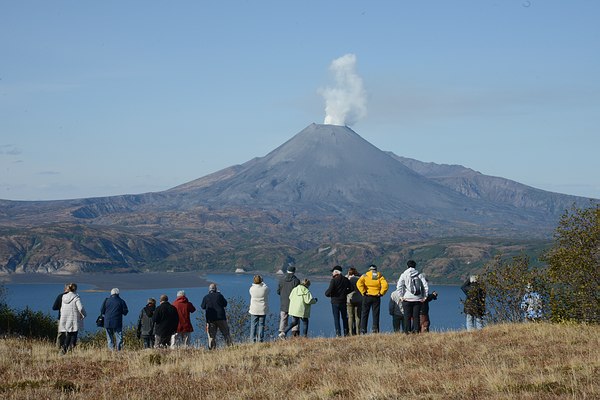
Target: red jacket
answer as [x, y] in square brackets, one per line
[184, 309]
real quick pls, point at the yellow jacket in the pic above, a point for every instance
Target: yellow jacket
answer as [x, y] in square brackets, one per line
[372, 287]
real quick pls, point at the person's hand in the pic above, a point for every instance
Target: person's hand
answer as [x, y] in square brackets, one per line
[316, 299]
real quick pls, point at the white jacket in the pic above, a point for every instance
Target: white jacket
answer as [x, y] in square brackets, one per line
[404, 282]
[259, 299]
[72, 313]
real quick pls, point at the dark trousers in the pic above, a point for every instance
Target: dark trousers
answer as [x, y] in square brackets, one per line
[340, 311]
[412, 309]
[148, 341]
[397, 322]
[296, 322]
[370, 302]
[69, 341]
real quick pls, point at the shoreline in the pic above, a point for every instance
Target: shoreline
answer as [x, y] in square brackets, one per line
[107, 281]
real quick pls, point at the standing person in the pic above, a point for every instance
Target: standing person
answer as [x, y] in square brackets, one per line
[60, 337]
[184, 328]
[287, 282]
[214, 303]
[338, 290]
[531, 304]
[372, 285]
[354, 302]
[395, 308]
[413, 290]
[474, 305]
[259, 307]
[113, 309]
[72, 314]
[425, 321]
[145, 326]
[301, 301]
[166, 321]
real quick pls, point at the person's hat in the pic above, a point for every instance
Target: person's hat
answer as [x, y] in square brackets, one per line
[336, 268]
[372, 267]
[114, 291]
[291, 268]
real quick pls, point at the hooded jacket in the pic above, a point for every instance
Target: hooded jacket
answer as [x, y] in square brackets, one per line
[184, 309]
[145, 321]
[367, 285]
[300, 301]
[72, 313]
[286, 284]
[404, 283]
[259, 299]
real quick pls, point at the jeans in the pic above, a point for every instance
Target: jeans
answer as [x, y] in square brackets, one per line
[296, 324]
[339, 310]
[354, 311]
[474, 322]
[118, 336]
[369, 302]
[257, 328]
[412, 309]
[283, 321]
[397, 321]
[148, 341]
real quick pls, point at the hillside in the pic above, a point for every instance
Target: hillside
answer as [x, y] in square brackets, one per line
[325, 188]
[499, 362]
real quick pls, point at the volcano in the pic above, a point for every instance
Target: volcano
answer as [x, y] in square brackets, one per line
[324, 185]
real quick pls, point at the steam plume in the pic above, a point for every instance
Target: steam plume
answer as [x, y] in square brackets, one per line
[346, 102]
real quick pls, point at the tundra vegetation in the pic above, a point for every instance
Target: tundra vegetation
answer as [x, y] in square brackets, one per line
[558, 357]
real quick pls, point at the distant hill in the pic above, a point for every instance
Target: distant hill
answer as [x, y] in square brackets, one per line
[326, 196]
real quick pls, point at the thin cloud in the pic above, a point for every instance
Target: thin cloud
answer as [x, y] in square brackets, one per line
[10, 149]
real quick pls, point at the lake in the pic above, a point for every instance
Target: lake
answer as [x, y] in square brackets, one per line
[445, 313]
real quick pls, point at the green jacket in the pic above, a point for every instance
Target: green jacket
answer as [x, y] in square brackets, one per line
[300, 301]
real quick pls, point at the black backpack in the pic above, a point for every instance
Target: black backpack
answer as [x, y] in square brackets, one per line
[416, 285]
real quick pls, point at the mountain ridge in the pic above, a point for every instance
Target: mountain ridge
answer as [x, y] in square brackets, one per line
[324, 187]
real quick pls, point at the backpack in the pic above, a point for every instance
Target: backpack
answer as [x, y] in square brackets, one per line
[416, 285]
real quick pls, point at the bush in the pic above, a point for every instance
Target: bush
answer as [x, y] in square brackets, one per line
[574, 266]
[506, 284]
[27, 323]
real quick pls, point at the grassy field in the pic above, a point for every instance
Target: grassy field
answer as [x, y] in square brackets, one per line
[527, 361]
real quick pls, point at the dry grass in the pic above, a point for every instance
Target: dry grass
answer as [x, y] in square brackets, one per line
[535, 361]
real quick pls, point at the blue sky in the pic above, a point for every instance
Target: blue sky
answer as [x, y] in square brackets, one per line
[115, 97]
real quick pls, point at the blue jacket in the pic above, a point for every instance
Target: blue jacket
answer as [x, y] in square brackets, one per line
[113, 310]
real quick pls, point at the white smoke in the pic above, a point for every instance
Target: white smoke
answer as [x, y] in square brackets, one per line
[346, 102]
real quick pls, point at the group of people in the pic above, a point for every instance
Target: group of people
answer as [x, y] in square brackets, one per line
[355, 297]
[162, 326]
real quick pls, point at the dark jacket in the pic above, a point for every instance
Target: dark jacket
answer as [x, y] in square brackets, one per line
[184, 309]
[58, 303]
[113, 310]
[425, 305]
[165, 320]
[286, 284]
[339, 287]
[214, 303]
[145, 326]
[475, 300]
[354, 298]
